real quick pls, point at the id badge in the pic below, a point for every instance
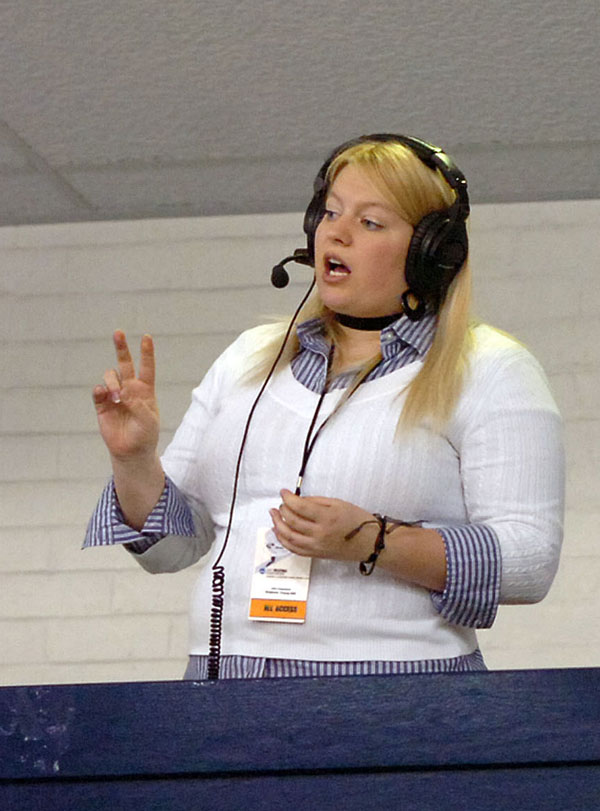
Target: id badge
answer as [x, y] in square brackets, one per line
[280, 581]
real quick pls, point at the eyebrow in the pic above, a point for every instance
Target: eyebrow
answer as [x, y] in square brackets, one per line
[362, 205]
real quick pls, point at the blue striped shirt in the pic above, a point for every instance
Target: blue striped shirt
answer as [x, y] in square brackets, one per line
[470, 597]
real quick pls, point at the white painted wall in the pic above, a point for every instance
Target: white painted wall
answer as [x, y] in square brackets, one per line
[72, 616]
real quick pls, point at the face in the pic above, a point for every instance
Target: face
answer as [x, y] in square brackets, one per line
[360, 248]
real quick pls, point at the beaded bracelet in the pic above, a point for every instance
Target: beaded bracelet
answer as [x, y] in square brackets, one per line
[366, 566]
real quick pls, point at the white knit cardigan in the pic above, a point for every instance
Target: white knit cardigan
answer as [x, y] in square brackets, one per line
[499, 462]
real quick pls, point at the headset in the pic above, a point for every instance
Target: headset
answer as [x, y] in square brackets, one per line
[439, 245]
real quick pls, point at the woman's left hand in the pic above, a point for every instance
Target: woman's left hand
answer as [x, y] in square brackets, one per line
[316, 527]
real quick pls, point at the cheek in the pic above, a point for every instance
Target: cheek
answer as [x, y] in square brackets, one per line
[319, 234]
[394, 263]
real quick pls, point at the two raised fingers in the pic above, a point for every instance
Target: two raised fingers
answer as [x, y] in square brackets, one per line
[115, 378]
[126, 369]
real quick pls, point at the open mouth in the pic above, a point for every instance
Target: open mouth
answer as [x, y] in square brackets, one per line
[333, 267]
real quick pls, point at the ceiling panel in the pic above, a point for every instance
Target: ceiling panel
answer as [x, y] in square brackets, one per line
[137, 108]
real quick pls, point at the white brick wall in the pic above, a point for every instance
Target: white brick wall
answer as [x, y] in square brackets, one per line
[68, 616]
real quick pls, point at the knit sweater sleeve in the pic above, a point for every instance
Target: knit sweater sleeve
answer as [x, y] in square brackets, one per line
[508, 436]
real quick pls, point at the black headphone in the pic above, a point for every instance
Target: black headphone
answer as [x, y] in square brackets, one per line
[439, 244]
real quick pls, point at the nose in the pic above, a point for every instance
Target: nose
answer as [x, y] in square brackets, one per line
[339, 229]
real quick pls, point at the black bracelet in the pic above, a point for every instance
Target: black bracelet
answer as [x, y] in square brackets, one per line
[366, 566]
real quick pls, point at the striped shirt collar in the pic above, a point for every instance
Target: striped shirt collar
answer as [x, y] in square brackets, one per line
[394, 338]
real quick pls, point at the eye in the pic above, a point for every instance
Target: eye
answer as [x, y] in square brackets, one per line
[371, 225]
[329, 214]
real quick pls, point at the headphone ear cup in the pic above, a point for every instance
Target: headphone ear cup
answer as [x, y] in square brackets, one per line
[436, 253]
[419, 268]
[312, 218]
[314, 214]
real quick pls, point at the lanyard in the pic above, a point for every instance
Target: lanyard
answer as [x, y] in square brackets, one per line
[309, 442]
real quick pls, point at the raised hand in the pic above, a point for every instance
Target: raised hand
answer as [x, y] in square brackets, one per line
[126, 405]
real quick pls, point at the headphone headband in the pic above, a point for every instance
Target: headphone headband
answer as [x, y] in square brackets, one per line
[432, 156]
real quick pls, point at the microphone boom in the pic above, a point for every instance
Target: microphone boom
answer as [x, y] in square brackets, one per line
[279, 275]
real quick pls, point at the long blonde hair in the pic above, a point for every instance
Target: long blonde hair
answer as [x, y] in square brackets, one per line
[414, 190]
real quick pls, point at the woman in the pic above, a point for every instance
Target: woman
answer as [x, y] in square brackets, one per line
[414, 457]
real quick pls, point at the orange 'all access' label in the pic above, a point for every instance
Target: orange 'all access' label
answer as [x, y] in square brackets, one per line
[285, 610]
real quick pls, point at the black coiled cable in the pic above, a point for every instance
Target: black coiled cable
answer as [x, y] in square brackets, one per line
[216, 622]
[218, 582]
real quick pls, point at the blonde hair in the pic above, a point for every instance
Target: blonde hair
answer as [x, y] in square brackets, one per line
[414, 190]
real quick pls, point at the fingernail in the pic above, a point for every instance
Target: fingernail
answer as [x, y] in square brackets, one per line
[115, 397]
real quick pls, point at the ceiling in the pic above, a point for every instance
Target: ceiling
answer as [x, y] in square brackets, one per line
[132, 109]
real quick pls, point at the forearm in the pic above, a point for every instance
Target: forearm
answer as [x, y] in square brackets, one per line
[139, 483]
[414, 554]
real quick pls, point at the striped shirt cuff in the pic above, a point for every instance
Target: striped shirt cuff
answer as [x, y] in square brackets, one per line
[472, 591]
[170, 516]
